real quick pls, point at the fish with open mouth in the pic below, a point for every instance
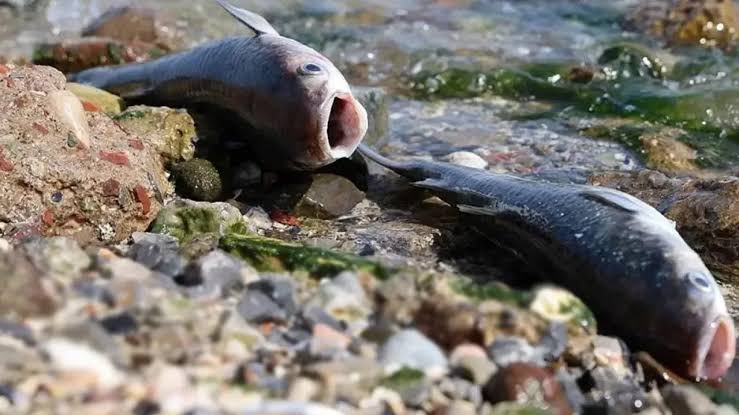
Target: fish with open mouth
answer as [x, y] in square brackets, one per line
[615, 252]
[299, 108]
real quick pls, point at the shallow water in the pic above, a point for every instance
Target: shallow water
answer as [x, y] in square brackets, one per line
[397, 44]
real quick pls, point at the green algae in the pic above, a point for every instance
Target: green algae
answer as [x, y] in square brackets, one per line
[274, 255]
[187, 223]
[404, 379]
[489, 291]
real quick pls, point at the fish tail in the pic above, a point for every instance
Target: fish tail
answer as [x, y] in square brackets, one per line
[414, 170]
[127, 81]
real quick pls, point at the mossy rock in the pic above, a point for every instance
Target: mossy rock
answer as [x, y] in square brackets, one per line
[197, 179]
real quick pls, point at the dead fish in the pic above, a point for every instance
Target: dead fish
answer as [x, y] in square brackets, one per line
[300, 110]
[615, 252]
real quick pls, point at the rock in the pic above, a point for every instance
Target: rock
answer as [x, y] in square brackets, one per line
[686, 399]
[157, 252]
[707, 23]
[411, 349]
[609, 352]
[280, 288]
[81, 366]
[52, 187]
[665, 153]
[630, 60]
[612, 391]
[553, 343]
[471, 362]
[460, 408]
[120, 324]
[59, 256]
[197, 179]
[328, 197]
[175, 130]
[344, 299]
[375, 101]
[69, 110]
[186, 219]
[236, 339]
[559, 305]
[328, 342]
[257, 307]
[94, 98]
[75, 55]
[24, 291]
[467, 159]
[526, 384]
[288, 407]
[132, 284]
[18, 331]
[412, 386]
[510, 408]
[217, 274]
[135, 25]
[94, 336]
[507, 350]
[349, 379]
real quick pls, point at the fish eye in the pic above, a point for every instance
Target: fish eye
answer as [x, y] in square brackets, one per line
[310, 69]
[699, 280]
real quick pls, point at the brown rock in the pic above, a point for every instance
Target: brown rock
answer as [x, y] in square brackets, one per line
[329, 196]
[50, 187]
[527, 384]
[665, 153]
[133, 24]
[75, 55]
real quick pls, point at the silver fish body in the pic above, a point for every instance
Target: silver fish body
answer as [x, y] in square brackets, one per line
[300, 109]
[620, 255]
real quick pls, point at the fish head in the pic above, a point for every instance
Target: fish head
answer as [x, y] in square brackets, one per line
[319, 120]
[701, 342]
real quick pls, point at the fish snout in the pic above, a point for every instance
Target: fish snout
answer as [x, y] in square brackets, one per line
[714, 359]
[344, 127]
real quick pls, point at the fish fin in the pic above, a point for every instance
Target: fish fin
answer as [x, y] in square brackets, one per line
[254, 21]
[616, 199]
[478, 210]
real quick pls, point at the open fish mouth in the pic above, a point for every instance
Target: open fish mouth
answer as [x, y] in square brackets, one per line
[345, 125]
[716, 353]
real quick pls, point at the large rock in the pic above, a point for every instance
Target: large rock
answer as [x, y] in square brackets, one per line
[53, 184]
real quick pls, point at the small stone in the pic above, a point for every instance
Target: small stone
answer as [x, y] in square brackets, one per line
[321, 201]
[280, 289]
[664, 152]
[5, 165]
[471, 362]
[18, 331]
[111, 188]
[507, 350]
[170, 131]
[553, 342]
[467, 159]
[328, 342]
[608, 352]
[216, 274]
[68, 109]
[103, 100]
[198, 179]
[460, 408]
[257, 307]
[24, 291]
[559, 305]
[344, 299]
[411, 349]
[527, 384]
[59, 256]
[157, 252]
[304, 390]
[136, 24]
[120, 324]
[288, 407]
[71, 359]
[687, 400]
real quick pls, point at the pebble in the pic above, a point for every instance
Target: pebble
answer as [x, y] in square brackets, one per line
[471, 362]
[467, 159]
[507, 350]
[120, 324]
[258, 307]
[158, 252]
[411, 349]
[288, 407]
[75, 360]
[344, 299]
[25, 291]
[18, 331]
[528, 384]
[59, 256]
[279, 288]
[321, 201]
[687, 400]
[460, 408]
[69, 111]
[215, 275]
